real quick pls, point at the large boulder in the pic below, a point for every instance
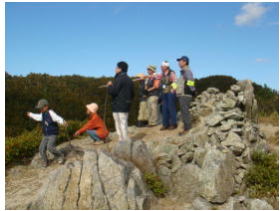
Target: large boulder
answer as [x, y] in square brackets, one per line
[250, 102]
[137, 153]
[234, 142]
[98, 181]
[258, 204]
[216, 177]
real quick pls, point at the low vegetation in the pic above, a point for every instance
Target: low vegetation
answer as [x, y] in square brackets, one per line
[155, 184]
[262, 178]
[23, 147]
[69, 94]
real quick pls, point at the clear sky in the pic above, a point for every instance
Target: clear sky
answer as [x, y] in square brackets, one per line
[236, 39]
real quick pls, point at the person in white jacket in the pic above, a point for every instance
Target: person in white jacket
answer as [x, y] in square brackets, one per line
[50, 121]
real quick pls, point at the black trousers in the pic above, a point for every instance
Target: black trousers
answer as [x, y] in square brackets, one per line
[185, 102]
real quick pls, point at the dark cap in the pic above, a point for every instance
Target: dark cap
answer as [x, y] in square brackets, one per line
[185, 58]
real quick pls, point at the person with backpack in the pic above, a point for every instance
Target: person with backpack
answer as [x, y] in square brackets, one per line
[121, 90]
[185, 91]
[50, 121]
[152, 87]
[168, 87]
[142, 119]
[95, 127]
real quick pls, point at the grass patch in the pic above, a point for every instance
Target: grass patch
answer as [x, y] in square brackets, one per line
[262, 178]
[272, 118]
[20, 148]
[155, 184]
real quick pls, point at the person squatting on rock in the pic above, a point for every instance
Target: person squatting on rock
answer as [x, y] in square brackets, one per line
[121, 90]
[185, 91]
[95, 127]
[142, 119]
[168, 85]
[152, 87]
[50, 121]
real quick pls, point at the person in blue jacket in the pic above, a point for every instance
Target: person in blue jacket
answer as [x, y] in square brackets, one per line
[50, 121]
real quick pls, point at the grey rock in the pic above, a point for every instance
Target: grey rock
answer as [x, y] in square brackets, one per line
[199, 155]
[233, 114]
[98, 181]
[258, 204]
[200, 203]
[188, 157]
[212, 90]
[214, 120]
[234, 142]
[185, 182]
[217, 183]
[249, 99]
[230, 94]
[227, 125]
[176, 163]
[135, 152]
[228, 103]
[235, 88]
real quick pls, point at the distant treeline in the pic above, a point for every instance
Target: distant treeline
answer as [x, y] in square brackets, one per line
[69, 94]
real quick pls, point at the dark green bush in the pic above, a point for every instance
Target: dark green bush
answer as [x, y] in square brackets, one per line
[26, 145]
[69, 94]
[155, 184]
[262, 178]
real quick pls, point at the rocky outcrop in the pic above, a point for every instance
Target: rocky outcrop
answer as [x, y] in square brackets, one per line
[137, 153]
[207, 166]
[97, 181]
[204, 169]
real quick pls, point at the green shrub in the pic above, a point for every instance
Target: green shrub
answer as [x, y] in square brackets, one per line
[155, 184]
[262, 178]
[26, 145]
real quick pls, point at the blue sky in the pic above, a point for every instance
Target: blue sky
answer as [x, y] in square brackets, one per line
[236, 39]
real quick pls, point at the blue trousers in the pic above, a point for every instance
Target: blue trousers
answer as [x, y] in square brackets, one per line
[169, 109]
[93, 135]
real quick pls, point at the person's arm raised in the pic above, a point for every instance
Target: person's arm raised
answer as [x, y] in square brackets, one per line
[36, 117]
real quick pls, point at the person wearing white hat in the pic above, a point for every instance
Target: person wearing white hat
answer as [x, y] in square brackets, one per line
[168, 85]
[95, 126]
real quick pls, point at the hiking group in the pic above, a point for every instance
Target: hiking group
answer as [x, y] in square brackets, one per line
[158, 97]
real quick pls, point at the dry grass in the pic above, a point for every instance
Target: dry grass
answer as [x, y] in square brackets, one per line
[273, 119]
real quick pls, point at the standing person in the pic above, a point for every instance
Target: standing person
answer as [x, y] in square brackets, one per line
[50, 121]
[152, 88]
[168, 83]
[122, 94]
[95, 127]
[143, 107]
[185, 91]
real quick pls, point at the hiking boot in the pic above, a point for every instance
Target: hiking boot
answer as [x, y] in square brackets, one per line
[173, 127]
[163, 128]
[61, 160]
[184, 132]
[141, 124]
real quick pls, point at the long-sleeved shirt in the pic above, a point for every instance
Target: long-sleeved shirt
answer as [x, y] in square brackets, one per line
[55, 117]
[121, 92]
[97, 124]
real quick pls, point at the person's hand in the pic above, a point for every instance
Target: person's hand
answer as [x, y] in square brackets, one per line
[76, 134]
[28, 114]
[109, 83]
